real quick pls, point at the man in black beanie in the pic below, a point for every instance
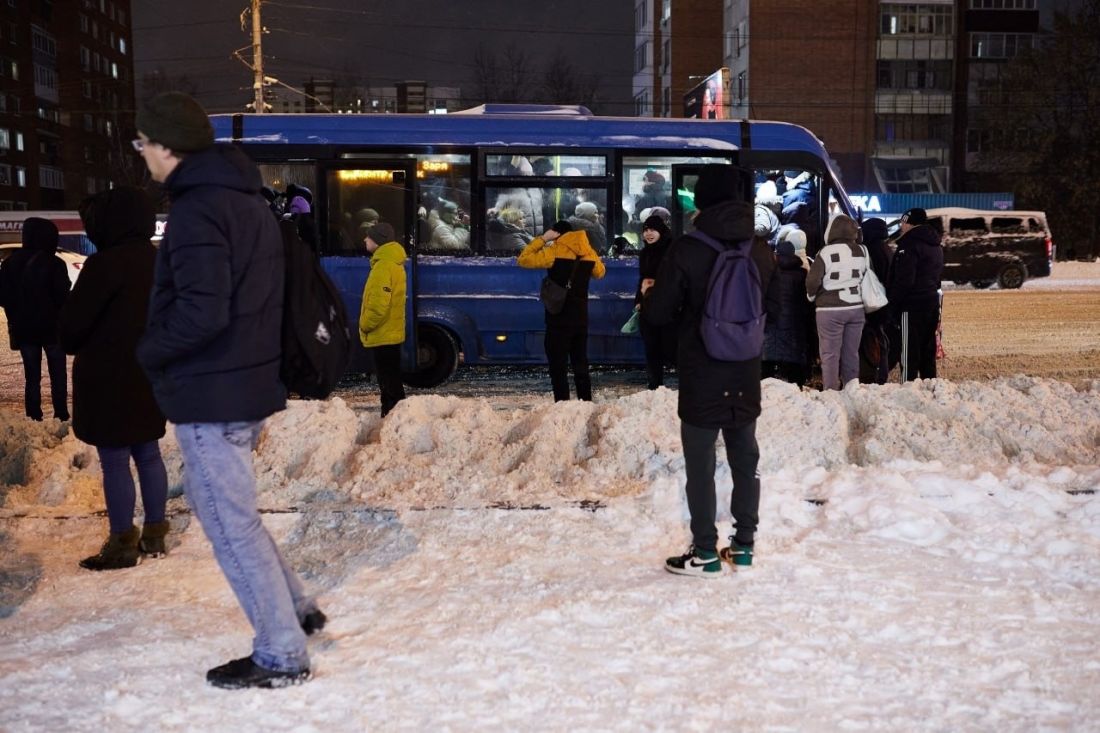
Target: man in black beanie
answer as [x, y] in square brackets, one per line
[714, 395]
[212, 349]
[913, 291]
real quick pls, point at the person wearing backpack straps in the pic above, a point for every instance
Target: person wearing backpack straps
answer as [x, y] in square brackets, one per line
[833, 287]
[571, 262]
[212, 350]
[715, 395]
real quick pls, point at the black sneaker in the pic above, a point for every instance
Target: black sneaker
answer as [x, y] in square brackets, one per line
[313, 622]
[696, 562]
[243, 672]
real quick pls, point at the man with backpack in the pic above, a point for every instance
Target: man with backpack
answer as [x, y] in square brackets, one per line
[212, 351]
[712, 282]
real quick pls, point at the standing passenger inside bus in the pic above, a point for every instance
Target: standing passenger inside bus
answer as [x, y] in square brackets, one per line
[34, 284]
[450, 227]
[382, 318]
[571, 262]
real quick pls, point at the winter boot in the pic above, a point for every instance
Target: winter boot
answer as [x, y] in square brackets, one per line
[243, 672]
[737, 555]
[696, 562]
[119, 551]
[152, 539]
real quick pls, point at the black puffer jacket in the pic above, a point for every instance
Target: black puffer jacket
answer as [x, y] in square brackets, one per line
[916, 271]
[789, 312]
[714, 394]
[213, 343]
[113, 404]
[34, 284]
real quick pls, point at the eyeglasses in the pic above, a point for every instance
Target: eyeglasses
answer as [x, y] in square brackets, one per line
[139, 144]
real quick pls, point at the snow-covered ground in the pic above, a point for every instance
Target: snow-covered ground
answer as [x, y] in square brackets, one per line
[929, 556]
[928, 559]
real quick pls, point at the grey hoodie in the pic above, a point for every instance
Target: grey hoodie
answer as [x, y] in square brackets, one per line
[833, 282]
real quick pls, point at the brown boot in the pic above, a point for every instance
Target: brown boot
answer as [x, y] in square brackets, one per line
[152, 539]
[119, 551]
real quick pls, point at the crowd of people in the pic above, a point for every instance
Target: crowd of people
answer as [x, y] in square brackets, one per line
[190, 333]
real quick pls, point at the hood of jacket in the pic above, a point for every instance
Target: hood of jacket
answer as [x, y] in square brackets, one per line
[389, 252]
[874, 230]
[730, 221]
[219, 165]
[575, 241]
[842, 228]
[119, 215]
[921, 234]
[40, 234]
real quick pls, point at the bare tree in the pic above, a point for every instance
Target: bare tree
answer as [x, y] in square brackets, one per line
[505, 78]
[158, 80]
[565, 83]
[1045, 133]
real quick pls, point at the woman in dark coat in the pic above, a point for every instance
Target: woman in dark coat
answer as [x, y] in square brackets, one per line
[113, 404]
[789, 315]
[660, 341]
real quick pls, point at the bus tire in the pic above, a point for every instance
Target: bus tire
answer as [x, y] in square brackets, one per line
[1012, 276]
[436, 358]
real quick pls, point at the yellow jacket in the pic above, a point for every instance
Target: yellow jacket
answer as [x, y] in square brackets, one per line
[382, 318]
[569, 246]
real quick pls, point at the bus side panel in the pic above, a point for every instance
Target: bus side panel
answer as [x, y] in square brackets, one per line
[501, 300]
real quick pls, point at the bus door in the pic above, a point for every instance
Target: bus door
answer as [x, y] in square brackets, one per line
[684, 178]
[358, 194]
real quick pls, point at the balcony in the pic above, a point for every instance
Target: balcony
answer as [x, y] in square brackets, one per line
[912, 103]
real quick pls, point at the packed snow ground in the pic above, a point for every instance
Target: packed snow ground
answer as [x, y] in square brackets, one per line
[928, 558]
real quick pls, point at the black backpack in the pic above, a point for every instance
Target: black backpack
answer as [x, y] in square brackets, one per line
[316, 340]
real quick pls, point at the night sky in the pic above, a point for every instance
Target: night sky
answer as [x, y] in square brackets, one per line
[383, 42]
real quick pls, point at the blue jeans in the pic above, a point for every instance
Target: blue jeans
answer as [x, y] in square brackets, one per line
[221, 487]
[118, 483]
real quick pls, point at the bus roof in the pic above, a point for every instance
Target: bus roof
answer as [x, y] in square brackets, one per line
[564, 127]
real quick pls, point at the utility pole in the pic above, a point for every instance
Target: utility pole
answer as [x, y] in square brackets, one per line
[257, 59]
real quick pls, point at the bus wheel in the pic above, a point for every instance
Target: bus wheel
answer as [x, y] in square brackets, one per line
[981, 284]
[436, 358]
[1012, 276]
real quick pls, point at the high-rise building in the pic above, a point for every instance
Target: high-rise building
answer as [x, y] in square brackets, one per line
[66, 101]
[676, 45]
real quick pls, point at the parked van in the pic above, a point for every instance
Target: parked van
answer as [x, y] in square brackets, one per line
[986, 247]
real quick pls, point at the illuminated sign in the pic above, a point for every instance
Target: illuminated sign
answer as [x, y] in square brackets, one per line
[708, 100]
[377, 176]
[869, 203]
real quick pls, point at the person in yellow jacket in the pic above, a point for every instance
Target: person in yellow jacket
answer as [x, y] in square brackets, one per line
[382, 318]
[571, 262]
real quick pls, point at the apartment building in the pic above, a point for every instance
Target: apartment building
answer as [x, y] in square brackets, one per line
[66, 101]
[676, 45]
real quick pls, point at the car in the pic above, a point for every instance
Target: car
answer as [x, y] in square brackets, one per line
[73, 261]
[981, 248]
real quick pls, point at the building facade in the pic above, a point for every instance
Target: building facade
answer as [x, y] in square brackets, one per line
[66, 101]
[676, 45]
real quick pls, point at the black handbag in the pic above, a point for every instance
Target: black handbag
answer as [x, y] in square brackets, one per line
[553, 294]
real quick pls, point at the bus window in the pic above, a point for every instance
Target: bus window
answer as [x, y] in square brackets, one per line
[278, 178]
[520, 214]
[508, 165]
[647, 191]
[443, 204]
[360, 197]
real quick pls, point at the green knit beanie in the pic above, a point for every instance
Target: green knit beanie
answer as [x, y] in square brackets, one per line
[176, 121]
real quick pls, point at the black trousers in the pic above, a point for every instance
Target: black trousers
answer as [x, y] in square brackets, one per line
[567, 345]
[660, 351]
[387, 368]
[32, 374]
[918, 343]
[743, 455]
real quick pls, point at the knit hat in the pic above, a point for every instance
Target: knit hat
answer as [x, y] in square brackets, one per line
[381, 233]
[718, 183]
[39, 233]
[176, 121]
[561, 227]
[587, 210]
[657, 224]
[915, 217]
[298, 205]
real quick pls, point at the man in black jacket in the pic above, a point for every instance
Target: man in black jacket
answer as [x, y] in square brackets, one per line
[34, 284]
[212, 351]
[714, 395]
[913, 289]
